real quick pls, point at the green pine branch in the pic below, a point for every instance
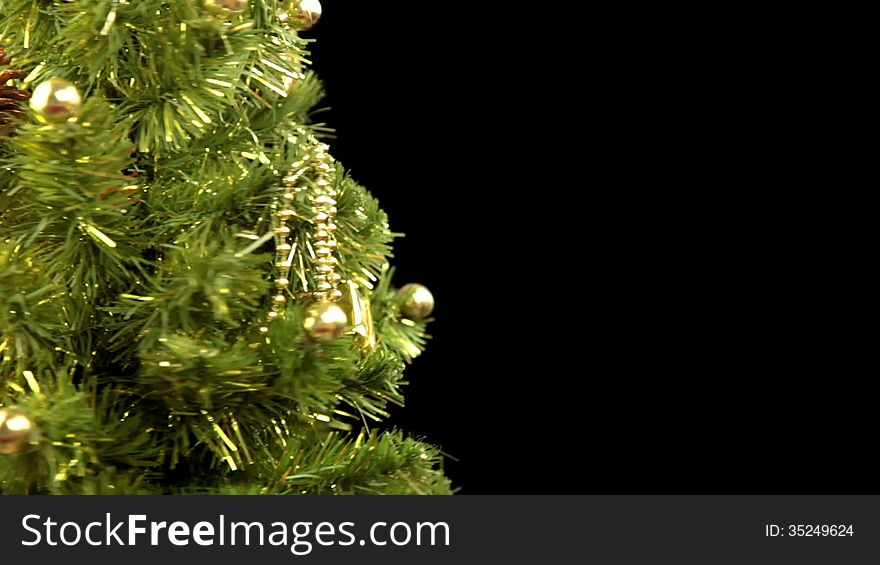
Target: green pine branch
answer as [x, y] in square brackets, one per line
[137, 268]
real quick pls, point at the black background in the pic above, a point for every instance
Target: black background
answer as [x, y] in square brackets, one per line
[405, 95]
[620, 309]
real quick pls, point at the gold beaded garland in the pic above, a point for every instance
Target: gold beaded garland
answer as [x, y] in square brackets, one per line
[312, 175]
[322, 198]
[337, 305]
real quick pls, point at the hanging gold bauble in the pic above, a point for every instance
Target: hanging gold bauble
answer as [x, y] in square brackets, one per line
[56, 100]
[226, 8]
[301, 14]
[16, 430]
[416, 301]
[325, 321]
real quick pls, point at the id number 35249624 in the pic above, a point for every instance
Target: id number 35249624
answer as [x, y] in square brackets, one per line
[808, 530]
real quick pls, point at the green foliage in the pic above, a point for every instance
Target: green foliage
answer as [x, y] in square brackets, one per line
[89, 442]
[404, 336]
[181, 75]
[136, 268]
[372, 463]
[32, 315]
[66, 208]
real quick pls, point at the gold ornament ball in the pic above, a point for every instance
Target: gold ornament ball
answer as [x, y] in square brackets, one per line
[226, 8]
[301, 14]
[16, 430]
[416, 301]
[325, 321]
[56, 100]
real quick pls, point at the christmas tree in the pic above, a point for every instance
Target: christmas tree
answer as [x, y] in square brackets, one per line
[195, 297]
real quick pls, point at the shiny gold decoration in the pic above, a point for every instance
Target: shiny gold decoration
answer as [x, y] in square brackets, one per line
[226, 8]
[325, 322]
[56, 100]
[300, 14]
[360, 315]
[416, 301]
[16, 430]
